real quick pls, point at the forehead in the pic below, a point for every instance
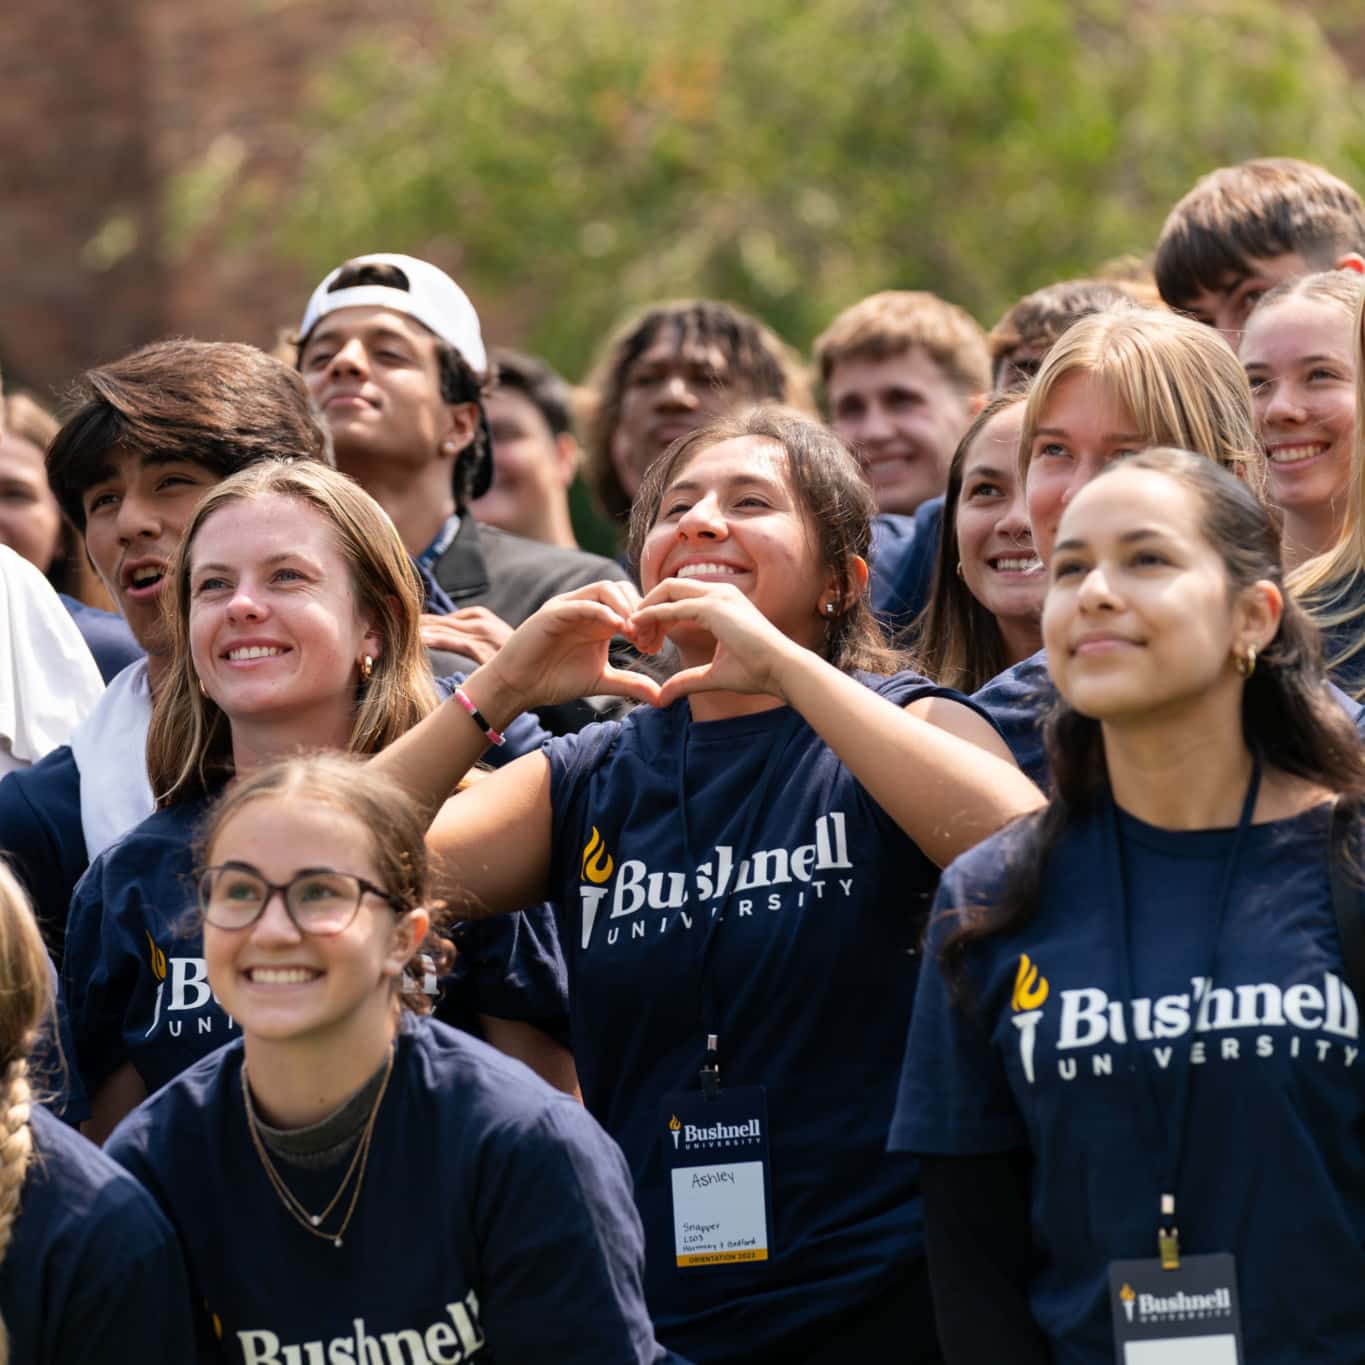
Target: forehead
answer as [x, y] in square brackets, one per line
[283, 832]
[1128, 498]
[1084, 401]
[1263, 270]
[670, 347]
[912, 368]
[740, 459]
[275, 523]
[20, 456]
[1296, 324]
[512, 405]
[998, 440]
[368, 322]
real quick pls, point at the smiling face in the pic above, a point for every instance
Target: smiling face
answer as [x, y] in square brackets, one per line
[731, 515]
[1299, 357]
[135, 513]
[903, 417]
[376, 377]
[279, 984]
[1081, 428]
[1139, 616]
[994, 543]
[276, 633]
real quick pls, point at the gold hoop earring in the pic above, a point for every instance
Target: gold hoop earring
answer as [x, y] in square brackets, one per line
[1246, 663]
[366, 667]
[960, 574]
[203, 691]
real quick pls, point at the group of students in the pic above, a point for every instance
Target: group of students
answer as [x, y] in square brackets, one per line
[982, 991]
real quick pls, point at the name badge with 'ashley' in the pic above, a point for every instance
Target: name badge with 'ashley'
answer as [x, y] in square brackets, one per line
[717, 1161]
[1186, 1316]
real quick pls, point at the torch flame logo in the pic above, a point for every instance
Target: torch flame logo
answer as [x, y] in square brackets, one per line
[674, 1124]
[1127, 1294]
[1030, 989]
[598, 864]
[158, 958]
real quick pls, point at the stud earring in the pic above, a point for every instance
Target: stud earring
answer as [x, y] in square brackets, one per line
[1246, 663]
[829, 608]
[366, 667]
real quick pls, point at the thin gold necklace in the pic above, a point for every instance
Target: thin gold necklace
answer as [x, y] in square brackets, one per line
[311, 1222]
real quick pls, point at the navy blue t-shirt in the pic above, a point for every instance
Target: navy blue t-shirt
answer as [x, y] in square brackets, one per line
[137, 987]
[41, 836]
[904, 552]
[40, 820]
[494, 1221]
[1036, 1054]
[1019, 699]
[812, 968]
[106, 636]
[93, 1275]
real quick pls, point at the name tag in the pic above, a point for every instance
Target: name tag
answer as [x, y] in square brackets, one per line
[716, 1154]
[1186, 1316]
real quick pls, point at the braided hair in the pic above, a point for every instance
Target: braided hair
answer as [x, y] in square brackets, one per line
[25, 1001]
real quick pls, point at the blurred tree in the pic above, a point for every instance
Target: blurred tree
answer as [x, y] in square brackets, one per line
[572, 161]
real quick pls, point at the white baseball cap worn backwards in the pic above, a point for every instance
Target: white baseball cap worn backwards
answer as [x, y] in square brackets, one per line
[432, 298]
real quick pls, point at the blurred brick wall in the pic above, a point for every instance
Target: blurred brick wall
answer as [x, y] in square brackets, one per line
[100, 100]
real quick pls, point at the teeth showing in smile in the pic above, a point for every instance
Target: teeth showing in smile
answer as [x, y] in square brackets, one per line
[144, 578]
[281, 976]
[1293, 454]
[255, 652]
[1031, 564]
[699, 570]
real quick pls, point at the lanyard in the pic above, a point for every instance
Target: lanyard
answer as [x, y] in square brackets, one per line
[1173, 1140]
[757, 801]
[427, 559]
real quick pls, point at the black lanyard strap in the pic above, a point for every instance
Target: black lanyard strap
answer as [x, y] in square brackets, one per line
[1172, 1139]
[758, 802]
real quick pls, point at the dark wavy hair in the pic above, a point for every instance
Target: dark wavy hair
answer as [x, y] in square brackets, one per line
[1289, 717]
[838, 507]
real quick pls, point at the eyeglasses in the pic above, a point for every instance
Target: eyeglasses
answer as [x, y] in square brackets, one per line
[318, 900]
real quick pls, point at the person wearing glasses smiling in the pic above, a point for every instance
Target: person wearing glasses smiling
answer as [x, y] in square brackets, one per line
[295, 627]
[345, 1139]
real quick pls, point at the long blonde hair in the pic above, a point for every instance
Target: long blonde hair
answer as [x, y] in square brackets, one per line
[189, 742]
[25, 1001]
[1178, 378]
[1329, 584]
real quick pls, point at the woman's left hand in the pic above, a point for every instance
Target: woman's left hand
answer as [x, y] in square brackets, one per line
[750, 650]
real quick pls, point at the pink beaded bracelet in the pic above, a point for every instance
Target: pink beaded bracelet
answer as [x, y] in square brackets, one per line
[489, 733]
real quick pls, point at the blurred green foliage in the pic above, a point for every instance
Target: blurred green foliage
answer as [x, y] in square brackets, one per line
[572, 161]
[569, 162]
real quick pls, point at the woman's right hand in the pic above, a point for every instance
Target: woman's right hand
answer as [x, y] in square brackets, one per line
[561, 654]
